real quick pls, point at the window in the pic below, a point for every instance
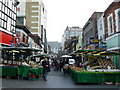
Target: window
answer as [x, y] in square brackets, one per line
[5, 25]
[21, 20]
[2, 23]
[8, 24]
[6, 10]
[111, 25]
[119, 21]
[14, 23]
[15, 9]
[3, 16]
[14, 16]
[0, 6]
[3, 8]
[10, 13]
[0, 14]
[5, 2]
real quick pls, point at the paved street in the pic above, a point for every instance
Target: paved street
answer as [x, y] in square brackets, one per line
[55, 80]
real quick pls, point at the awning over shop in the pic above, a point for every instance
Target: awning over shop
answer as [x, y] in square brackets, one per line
[107, 53]
[19, 49]
[86, 52]
[94, 52]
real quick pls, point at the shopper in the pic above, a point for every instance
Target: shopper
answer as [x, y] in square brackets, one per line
[45, 65]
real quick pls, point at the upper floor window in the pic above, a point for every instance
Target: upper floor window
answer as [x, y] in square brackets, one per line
[110, 24]
[119, 20]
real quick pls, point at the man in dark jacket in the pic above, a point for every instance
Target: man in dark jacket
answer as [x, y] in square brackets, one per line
[45, 65]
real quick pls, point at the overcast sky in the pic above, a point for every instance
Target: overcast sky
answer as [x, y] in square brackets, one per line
[63, 13]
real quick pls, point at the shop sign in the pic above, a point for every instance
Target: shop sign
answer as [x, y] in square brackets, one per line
[91, 40]
[96, 40]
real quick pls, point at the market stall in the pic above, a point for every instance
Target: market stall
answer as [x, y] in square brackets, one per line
[96, 69]
[19, 65]
[83, 76]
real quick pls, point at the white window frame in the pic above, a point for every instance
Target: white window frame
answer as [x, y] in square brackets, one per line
[117, 18]
[109, 28]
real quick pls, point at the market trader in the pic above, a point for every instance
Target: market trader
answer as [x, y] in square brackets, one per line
[45, 65]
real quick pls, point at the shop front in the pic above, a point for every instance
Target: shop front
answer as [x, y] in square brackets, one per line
[113, 44]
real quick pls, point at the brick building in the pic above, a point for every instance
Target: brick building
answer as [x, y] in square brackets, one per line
[112, 29]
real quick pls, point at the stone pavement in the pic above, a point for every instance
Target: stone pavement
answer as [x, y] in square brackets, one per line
[55, 80]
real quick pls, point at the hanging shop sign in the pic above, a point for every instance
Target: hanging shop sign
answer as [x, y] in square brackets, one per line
[95, 40]
[91, 40]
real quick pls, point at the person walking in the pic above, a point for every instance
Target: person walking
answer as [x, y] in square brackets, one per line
[45, 65]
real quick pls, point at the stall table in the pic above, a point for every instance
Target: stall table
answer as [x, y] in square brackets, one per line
[94, 77]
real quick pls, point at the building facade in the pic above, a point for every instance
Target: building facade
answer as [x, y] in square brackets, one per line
[90, 32]
[101, 33]
[69, 33]
[55, 46]
[112, 29]
[36, 18]
[8, 13]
